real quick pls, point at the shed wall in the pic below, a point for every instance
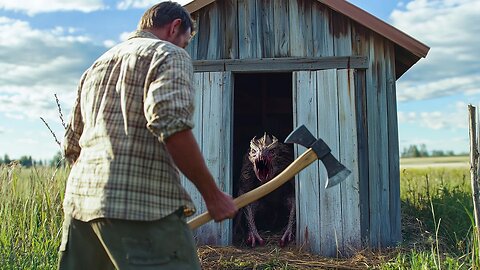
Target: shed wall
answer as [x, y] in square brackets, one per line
[249, 29]
[213, 132]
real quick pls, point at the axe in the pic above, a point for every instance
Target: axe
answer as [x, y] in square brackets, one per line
[317, 149]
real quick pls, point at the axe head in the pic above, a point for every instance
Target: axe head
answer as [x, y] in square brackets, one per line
[335, 170]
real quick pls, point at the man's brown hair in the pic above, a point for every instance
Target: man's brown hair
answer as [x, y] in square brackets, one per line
[164, 13]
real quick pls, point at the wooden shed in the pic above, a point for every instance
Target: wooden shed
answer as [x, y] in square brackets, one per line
[272, 65]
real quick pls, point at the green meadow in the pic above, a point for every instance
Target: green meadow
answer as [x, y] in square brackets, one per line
[437, 223]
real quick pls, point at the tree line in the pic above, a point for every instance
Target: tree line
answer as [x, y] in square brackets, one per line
[28, 161]
[421, 151]
[57, 160]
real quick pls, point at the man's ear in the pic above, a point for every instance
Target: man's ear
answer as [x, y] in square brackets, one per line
[175, 27]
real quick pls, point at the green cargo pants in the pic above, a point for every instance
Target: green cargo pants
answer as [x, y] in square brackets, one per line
[121, 244]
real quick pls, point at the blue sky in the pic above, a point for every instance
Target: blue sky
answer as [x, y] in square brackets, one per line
[47, 44]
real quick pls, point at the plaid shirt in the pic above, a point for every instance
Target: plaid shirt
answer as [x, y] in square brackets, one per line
[133, 97]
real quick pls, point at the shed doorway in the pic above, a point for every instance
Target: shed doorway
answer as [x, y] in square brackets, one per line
[262, 103]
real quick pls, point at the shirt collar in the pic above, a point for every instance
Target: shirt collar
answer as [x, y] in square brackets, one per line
[142, 34]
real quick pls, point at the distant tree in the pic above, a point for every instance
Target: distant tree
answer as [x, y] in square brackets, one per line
[423, 152]
[411, 151]
[6, 159]
[450, 153]
[26, 161]
[438, 153]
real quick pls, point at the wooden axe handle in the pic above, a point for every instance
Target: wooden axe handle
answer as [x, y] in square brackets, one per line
[293, 169]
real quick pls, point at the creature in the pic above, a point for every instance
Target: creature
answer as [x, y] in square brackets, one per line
[267, 157]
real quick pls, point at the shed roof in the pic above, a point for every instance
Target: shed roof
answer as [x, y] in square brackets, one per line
[415, 47]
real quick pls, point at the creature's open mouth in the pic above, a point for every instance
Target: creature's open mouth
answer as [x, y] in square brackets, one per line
[262, 170]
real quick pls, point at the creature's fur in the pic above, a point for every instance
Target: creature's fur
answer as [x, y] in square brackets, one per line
[279, 157]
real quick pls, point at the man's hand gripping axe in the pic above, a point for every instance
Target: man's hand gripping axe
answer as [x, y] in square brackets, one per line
[317, 149]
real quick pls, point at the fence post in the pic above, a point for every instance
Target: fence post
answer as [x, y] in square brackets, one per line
[474, 169]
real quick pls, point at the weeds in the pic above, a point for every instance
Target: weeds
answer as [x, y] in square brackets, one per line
[30, 207]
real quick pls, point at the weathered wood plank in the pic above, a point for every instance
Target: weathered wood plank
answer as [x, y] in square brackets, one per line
[393, 145]
[385, 226]
[258, 27]
[360, 39]
[307, 184]
[203, 34]
[301, 35]
[216, 36]
[321, 30]
[307, 26]
[328, 129]
[247, 36]
[197, 132]
[297, 47]
[209, 66]
[360, 46]
[213, 118]
[280, 64]
[212, 113]
[267, 40]
[374, 165]
[349, 157]
[378, 146]
[226, 148]
[343, 35]
[228, 19]
[281, 29]
[197, 199]
[474, 165]
[362, 139]
[192, 47]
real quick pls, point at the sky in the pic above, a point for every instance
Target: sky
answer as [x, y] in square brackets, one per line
[46, 45]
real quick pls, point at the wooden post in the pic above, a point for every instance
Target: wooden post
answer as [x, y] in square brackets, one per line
[474, 169]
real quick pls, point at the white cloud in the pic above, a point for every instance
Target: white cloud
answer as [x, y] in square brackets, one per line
[42, 6]
[109, 43]
[124, 36]
[35, 64]
[127, 4]
[450, 28]
[450, 118]
[415, 90]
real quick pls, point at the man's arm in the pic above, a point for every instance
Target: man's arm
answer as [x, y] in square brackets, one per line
[186, 154]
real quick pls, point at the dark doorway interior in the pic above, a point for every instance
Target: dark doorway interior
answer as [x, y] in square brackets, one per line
[262, 103]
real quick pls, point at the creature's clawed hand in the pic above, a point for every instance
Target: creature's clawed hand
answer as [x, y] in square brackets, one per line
[254, 238]
[287, 237]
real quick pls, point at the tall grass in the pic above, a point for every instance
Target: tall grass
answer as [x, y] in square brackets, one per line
[437, 220]
[31, 213]
[438, 226]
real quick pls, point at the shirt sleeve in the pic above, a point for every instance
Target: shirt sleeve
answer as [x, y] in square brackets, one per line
[169, 102]
[71, 147]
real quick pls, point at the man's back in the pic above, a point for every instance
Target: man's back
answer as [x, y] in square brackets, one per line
[134, 94]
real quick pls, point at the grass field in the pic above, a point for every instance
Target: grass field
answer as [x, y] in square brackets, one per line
[452, 161]
[436, 218]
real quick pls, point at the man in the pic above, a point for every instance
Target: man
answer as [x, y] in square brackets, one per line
[129, 131]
